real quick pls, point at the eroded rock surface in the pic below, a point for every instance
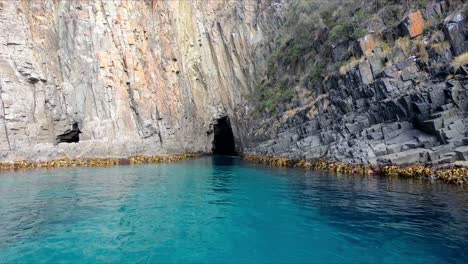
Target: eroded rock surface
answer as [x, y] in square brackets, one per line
[411, 110]
[141, 77]
[152, 77]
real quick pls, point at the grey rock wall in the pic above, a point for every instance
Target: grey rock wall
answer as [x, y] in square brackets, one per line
[411, 111]
[140, 77]
[152, 77]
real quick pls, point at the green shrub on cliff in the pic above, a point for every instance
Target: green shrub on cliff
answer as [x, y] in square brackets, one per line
[272, 97]
[340, 32]
[316, 74]
[391, 15]
[305, 51]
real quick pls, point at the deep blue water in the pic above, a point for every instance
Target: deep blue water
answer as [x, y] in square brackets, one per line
[217, 210]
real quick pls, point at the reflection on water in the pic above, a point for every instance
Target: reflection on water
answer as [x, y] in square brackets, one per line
[384, 211]
[221, 179]
[223, 209]
[226, 161]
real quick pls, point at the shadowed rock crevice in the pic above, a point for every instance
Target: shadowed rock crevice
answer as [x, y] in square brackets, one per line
[223, 142]
[70, 136]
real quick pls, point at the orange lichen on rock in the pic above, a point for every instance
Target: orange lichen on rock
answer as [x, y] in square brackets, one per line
[367, 43]
[415, 24]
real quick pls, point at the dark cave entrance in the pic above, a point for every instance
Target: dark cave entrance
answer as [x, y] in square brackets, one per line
[223, 142]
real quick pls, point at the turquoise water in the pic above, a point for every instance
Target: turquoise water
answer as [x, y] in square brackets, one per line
[218, 210]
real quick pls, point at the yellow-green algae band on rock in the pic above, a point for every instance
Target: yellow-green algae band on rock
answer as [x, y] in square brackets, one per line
[95, 162]
[449, 174]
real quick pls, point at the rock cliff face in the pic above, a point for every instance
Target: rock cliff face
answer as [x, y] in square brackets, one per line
[140, 77]
[155, 77]
[398, 101]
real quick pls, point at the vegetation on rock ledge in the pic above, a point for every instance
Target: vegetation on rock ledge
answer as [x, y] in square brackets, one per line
[320, 39]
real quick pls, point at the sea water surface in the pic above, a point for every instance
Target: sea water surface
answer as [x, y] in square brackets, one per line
[225, 210]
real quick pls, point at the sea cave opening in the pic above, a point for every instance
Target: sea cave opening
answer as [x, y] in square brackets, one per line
[223, 142]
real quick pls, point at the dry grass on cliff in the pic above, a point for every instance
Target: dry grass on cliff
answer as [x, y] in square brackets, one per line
[351, 64]
[440, 47]
[404, 44]
[421, 49]
[460, 61]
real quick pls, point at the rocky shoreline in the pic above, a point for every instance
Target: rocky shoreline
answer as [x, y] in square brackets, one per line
[398, 99]
[449, 173]
[392, 94]
[95, 162]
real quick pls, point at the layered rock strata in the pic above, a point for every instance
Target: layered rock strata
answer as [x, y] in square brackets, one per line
[410, 110]
[154, 77]
[140, 77]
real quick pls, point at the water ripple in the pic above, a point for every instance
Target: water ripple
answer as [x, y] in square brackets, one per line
[222, 210]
